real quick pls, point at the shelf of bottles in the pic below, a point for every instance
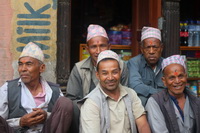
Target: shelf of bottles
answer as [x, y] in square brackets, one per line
[190, 47]
[190, 38]
[190, 33]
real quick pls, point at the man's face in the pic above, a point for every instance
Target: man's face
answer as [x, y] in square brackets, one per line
[29, 69]
[152, 50]
[109, 75]
[175, 79]
[95, 45]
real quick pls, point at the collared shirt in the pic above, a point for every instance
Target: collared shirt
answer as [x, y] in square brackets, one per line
[143, 79]
[27, 102]
[157, 120]
[40, 97]
[119, 121]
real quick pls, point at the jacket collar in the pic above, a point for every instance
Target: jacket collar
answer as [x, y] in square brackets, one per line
[87, 64]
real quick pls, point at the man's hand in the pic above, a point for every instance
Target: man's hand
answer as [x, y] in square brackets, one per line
[36, 117]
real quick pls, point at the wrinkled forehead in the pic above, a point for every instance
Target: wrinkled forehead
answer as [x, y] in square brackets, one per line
[151, 41]
[174, 69]
[97, 40]
[28, 59]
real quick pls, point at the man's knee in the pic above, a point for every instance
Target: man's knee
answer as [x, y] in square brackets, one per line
[4, 127]
[65, 104]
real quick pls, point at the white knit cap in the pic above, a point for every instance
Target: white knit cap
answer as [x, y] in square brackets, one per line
[32, 50]
[148, 32]
[96, 30]
[174, 59]
[107, 54]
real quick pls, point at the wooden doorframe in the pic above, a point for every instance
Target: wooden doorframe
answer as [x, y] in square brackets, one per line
[63, 41]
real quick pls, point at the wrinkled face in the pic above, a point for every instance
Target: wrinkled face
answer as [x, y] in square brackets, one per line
[109, 75]
[152, 50]
[29, 69]
[95, 45]
[175, 79]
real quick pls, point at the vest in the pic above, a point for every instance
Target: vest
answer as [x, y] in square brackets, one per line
[14, 98]
[99, 98]
[166, 106]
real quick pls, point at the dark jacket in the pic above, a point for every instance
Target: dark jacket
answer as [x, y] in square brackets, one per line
[162, 98]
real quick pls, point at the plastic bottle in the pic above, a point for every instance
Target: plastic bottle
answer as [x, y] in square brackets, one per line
[191, 29]
[185, 27]
[181, 34]
[196, 39]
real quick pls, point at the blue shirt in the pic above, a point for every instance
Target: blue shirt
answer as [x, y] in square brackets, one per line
[143, 79]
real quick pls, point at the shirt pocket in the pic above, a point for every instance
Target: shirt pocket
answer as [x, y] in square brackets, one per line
[147, 81]
[191, 123]
[160, 85]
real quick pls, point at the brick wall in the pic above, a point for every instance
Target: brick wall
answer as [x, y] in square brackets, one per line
[5, 41]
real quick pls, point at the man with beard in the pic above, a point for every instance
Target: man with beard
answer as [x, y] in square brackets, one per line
[31, 104]
[175, 109]
[145, 69]
[111, 107]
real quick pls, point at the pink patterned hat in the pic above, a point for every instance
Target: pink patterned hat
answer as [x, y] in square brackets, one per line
[32, 50]
[107, 54]
[96, 30]
[148, 32]
[174, 59]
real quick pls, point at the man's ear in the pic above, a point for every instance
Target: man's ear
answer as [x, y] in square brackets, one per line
[97, 75]
[163, 80]
[109, 46]
[162, 46]
[87, 48]
[42, 68]
[141, 49]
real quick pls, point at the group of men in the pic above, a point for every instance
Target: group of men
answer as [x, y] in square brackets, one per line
[148, 94]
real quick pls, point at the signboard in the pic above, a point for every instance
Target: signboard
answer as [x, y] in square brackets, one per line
[35, 21]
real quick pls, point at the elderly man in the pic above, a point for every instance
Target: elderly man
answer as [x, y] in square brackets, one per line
[82, 79]
[111, 107]
[145, 69]
[175, 109]
[30, 103]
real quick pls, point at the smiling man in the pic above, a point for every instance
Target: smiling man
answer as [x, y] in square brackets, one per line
[30, 104]
[82, 79]
[111, 107]
[175, 109]
[145, 69]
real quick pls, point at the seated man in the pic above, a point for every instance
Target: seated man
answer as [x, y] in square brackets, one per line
[30, 103]
[145, 69]
[175, 109]
[82, 79]
[111, 107]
